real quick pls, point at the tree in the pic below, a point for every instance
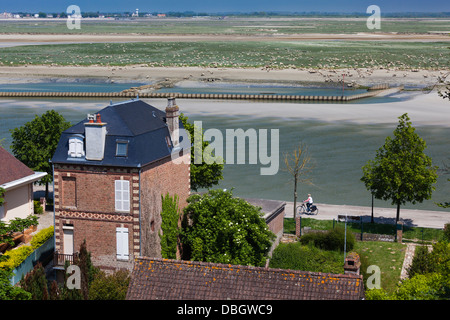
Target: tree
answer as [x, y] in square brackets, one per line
[401, 171]
[203, 175]
[298, 163]
[87, 269]
[8, 291]
[222, 229]
[35, 142]
[35, 283]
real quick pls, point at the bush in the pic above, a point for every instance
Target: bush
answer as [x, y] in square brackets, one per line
[421, 262]
[110, 287]
[447, 232]
[331, 240]
[306, 258]
[377, 294]
[37, 207]
[15, 257]
[42, 236]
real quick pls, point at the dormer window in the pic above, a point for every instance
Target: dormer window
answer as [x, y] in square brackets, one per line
[121, 148]
[76, 146]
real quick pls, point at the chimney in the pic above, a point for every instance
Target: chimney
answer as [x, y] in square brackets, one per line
[95, 133]
[352, 264]
[172, 119]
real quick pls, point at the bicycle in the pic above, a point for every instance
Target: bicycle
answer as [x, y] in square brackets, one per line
[303, 209]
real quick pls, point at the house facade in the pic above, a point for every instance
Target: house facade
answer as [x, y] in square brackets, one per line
[110, 171]
[17, 180]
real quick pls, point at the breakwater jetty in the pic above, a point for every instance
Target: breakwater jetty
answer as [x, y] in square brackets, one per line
[275, 97]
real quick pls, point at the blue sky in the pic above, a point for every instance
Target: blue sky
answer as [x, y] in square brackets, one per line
[227, 5]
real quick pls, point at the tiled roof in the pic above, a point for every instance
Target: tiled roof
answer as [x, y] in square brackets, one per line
[12, 169]
[135, 121]
[162, 279]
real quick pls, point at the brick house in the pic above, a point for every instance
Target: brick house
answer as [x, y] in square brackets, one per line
[110, 171]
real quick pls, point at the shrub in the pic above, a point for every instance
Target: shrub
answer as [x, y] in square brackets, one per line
[37, 207]
[429, 286]
[447, 232]
[42, 236]
[15, 257]
[331, 240]
[421, 262]
[110, 287]
[377, 294]
[306, 258]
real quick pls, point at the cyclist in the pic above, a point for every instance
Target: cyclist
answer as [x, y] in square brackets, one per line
[309, 203]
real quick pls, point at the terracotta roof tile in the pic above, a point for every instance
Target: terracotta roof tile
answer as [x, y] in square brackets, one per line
[162, 279]
[11, 169]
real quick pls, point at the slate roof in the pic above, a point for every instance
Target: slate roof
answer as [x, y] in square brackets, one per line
[141, 124]
[162, 279]
[11, 168]
[270, 208]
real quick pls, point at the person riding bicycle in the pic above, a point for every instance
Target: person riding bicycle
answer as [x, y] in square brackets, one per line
[309, 203]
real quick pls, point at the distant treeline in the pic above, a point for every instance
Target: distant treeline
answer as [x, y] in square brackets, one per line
[185, 14]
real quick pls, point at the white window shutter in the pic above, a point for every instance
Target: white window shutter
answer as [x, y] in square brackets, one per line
[119, 243]
[118, 196]
[125, 195]
[122, 243]
[125, 253]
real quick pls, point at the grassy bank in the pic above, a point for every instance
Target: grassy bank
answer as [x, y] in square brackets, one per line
[305, 54]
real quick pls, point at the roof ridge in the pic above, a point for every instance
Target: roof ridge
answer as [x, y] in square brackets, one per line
[248, 267]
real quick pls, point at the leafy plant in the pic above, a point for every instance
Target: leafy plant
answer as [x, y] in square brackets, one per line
[333, 239]
[37, 207]
[110, 287]
[15, 257]
[41, 237]
[222, 229]
[170, 216]
[307, 258]
[7, 230]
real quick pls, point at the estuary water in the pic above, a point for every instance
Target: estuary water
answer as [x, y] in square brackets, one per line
[341, 137]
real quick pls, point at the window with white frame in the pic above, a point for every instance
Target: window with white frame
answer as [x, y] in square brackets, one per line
[122, 251]
[76, 147]
[122, 195]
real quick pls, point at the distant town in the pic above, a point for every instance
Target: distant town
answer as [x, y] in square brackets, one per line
[137, 13]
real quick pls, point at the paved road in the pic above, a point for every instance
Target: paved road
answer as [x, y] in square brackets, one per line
[414, 218]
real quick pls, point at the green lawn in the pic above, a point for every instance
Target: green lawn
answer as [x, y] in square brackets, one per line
[388, 256]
